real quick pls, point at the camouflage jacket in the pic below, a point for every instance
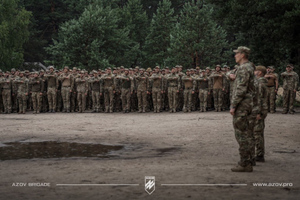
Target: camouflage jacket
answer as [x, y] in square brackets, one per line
[243, 88]
[260, 101]
[289, 80]
[21, 85]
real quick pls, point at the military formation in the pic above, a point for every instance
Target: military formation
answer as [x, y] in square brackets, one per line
[132, 90]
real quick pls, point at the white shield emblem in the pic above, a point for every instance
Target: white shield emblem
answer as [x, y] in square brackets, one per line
[149, 184]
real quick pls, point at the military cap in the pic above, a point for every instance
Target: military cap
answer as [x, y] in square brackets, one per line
[66, 67]
[130, 69]
[290, 65]
[13, 70]
[51, 67]
[21, 72]
[108, 68]
[217, 66]
[207, 68]
[74, 68]
[149, 69]
[270, 67]
[188, 70]
[166, 67]
[242, 49]
[197, 68]
[126, 69]
[142, 69]
[122, 67]
[35, 72]
[0, 71]
[118, 68]
[94, 72]
[225, 66]
[163, 70]
[137, 67]
[261, 68]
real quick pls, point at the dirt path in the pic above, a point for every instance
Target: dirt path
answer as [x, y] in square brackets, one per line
[179, 148]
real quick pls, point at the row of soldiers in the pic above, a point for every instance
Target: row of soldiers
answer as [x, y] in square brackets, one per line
[125, 89]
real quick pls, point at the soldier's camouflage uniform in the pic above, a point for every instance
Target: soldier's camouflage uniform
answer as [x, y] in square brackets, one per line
[203, 83]
[156, 82]
[52, 82]
[142, 83]
[67, 82]
[37, 89]
[173, 85]
[6, 84]
[21, 84]
[108, 89]
[126, 90]
[242, 101]
[81, 90]
[289, 87]
[95, 83]
[189, 86]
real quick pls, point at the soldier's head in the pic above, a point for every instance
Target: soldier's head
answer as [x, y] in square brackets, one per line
[163, 71]
[108, 70]
[142, 70]
[260, 71]
[167, 70]
[13, 71]
[174, 70]
[51, 68]
[218, 68]
[6, 74]
[241, 54]
[74, 70]
[136, 69]
[126, 71]
[42, 72]
[188, 72]
[157, 68]
[66, 69]
[35, 74]
[21, 74]
[207, 69]
[289, 67]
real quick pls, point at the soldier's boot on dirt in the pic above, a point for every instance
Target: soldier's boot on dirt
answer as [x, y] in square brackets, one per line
[240, 168]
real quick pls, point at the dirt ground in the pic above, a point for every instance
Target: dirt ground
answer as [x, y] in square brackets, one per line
[177, 148]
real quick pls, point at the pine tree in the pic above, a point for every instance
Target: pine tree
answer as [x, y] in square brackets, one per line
[92, 41]
[158, 39]
[197, 40]
[14, 21]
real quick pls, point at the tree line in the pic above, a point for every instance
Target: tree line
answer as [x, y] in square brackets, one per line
[93, 34]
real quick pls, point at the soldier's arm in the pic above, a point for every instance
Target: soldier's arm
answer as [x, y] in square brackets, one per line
[242, 80]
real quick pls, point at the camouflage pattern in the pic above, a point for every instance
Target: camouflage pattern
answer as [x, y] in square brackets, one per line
[156, 83]
[67, 81]
[242, 102]
[173, 85]
[81, 90]
[142, 83]
[6, 85]
[37, 89]
[289, 90]
[21, 85]
[52, 81]
[189, 86]
[108, 89]
[95, 83]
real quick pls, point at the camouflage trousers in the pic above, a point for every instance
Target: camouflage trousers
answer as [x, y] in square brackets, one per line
[156, 96]
[173, 97]
[271, 98]
[165, 101]
[126, 97]
[142, 100]
[81, 99]
[259, 128]
[96, 100]
[218, 98]
[244, 131]
[44, 102]
[6, 97]
[65, 93]
[203, 93]
[22, 101]
[14, 102]
[73, 101]
[187, 103]
[58, 101]
[180, 99]
[288, 100]
[118, 101]
[109, 99]
[36, 100]
[52, 94]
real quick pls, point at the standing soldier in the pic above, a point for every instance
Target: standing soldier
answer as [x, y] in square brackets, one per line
[289, 89]
[37, 88]
[108, 89]
[44, 102]
[260, 111]
[142, 84]
[95, 83]
[156, 82]
[189, 86]
[219, 84]
[73, 95]
[203, 83]
[21, 84]
[272, 87]
[6, 84]
[126, 90]
[82, 88]
[52, 83]
[117, 95]
[210, 93]
[241, 108]
[59, 102]
[14, 100]
[67, 82]
[180, 96]
[173, 84]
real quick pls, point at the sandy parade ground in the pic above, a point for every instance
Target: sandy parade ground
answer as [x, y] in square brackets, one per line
[107, 156]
